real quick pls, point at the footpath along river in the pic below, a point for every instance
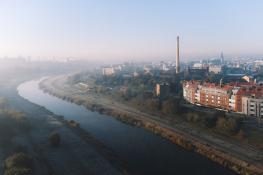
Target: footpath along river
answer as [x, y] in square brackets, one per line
[143, 152]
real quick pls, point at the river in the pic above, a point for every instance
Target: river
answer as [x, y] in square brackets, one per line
[143, 151]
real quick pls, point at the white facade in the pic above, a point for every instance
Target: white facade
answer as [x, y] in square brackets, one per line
[248, 78]
[188, 94]
[232, 100]
[252, 106]
[108, 71]
[215, 69]
[197, 96]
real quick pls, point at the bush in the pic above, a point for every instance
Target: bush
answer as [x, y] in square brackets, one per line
[241, 134]
[219, 114]
[152, 104]
[171, 106]
[210, 121]
[20, 120]
[3, 103]
[54, 139]
[73, 123]
[7, 131]
[192, 117]
[12, 123]
[231, 125]
[18, 164]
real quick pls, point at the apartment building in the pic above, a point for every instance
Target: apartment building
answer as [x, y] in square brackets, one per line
[244, 98]
[108, 71]
[190, 91]
[162, 90]
[247, 90]
[216, 96]
[252, 106]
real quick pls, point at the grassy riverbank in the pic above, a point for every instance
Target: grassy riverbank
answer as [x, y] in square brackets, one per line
[241, 158]
[75, 154]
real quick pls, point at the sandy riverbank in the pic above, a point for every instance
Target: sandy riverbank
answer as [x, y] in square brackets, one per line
[234, 158]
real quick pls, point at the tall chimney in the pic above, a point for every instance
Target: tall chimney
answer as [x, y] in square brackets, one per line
[177, 57]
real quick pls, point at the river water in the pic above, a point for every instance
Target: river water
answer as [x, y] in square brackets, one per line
[142, 151]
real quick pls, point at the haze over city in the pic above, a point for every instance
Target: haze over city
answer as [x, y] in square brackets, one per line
[131, 87]
[131, 30]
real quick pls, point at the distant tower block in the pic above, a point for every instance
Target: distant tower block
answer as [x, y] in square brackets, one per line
[177, 57]
[222, 58]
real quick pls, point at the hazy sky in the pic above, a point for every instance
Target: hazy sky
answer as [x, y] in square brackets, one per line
[131, 29]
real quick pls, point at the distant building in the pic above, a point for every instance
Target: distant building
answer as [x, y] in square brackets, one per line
[222, 58]
[127, 76]
[215, 69]
[199, 66]
[108, 71]
[248, 78]
[147, 69]
[135, 74]
[162, 90]
[117, 68]
[83, 86]
[202, 71]
[177, 56]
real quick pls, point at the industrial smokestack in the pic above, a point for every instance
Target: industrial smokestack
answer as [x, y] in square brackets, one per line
[177, 57]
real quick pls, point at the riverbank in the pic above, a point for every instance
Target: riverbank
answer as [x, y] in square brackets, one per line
[243, 164]
[75, 155]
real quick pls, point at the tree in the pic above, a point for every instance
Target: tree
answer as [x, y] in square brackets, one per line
[228, 124]
[18, 164]
[171, 106]
[152, 104]
[3, 103]
[192, 117]
[54, 139]
[210, 121]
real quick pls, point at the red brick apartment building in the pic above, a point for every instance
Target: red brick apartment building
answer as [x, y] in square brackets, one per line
[253, 91]
[216, 96]
[230, 97]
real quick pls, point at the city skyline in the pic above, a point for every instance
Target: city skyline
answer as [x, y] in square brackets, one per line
[122, 30]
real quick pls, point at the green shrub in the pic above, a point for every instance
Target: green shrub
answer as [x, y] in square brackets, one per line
[152, 104]
[228, 124]
[171, 106]
[18, 171]
[19, 120]
[7, 131]
[18, 164]
[3, 103]
[210, 121]
[192, 117]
